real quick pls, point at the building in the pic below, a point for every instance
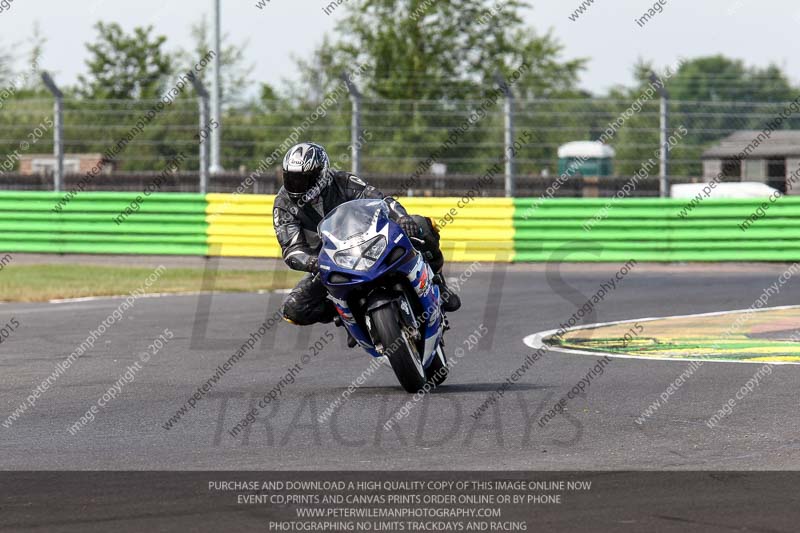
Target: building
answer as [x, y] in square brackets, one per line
[73, 164]
[587, 158]
[753, 156]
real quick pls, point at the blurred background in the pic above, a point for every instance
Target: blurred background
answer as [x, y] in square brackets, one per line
[417, 71]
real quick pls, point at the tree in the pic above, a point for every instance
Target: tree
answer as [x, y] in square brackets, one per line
[36, 44]
[29, 77]
[125, 67]
[6, 66]
[711, 97]
[445, 53]
[721, 79]
[445, 49]
[235, 70]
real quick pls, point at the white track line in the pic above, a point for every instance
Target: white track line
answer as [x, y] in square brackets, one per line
[85, 299]
[536, 341]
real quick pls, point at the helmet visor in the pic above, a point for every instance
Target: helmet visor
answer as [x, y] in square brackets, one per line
[299, 182]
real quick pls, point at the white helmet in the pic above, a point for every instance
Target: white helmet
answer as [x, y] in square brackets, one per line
[303, 166]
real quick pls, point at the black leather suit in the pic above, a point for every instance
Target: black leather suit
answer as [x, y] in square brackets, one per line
[296, 228]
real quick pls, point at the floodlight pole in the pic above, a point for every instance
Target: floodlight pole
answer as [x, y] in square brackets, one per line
[355, 126]
[663, 182]
[202, 100]
[216, 99]
[58, 130]
[509, 134]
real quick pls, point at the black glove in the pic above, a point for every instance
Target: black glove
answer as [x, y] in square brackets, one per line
[411, 228]
[313, 265]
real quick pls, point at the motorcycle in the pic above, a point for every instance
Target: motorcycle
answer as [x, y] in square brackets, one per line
[384, 291]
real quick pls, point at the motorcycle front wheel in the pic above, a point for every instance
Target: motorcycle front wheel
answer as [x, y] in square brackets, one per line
[437, 370]
[399, 348]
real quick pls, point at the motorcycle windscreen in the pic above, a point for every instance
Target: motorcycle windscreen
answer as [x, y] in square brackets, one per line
[352, 219]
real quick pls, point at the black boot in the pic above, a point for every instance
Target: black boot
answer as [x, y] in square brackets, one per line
[450, 300]
[351, 342]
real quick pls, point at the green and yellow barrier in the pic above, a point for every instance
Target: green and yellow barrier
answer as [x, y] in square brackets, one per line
[651, 229]
[484, 229]
[164, 224]
[241, 225]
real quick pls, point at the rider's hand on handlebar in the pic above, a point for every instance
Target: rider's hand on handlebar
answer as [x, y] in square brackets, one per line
[313, 265]
[411, 228]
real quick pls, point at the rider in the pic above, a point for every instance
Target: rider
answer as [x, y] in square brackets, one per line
[311, 190]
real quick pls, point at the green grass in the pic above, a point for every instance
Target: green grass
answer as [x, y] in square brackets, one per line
[37, 283]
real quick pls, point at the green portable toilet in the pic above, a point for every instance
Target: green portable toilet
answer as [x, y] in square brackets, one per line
[588, 158]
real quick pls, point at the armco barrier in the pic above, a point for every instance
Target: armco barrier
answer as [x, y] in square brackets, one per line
[485, 229]
[165, 224]
[241, 225]
[652, 230]
[216, 224]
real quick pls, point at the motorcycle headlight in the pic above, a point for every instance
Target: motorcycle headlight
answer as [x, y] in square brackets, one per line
[363, 256]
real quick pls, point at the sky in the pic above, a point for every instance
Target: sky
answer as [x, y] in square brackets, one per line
[759, 32]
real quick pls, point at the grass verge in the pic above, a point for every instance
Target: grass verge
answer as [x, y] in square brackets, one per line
[40, 283]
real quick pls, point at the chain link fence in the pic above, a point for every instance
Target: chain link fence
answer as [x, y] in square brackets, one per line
[445, 143]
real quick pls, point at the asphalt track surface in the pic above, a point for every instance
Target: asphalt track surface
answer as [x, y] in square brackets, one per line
[597, 432]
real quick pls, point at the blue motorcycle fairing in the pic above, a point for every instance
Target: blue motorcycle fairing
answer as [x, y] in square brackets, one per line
[347, 235]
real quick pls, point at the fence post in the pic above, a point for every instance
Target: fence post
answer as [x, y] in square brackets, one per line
[58, 131]
[508, 147]
[216, 90]
[355, 126]
[663, 183]
[202, 99]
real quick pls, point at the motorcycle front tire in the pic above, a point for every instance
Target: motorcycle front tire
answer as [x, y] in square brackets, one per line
[401, 352]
